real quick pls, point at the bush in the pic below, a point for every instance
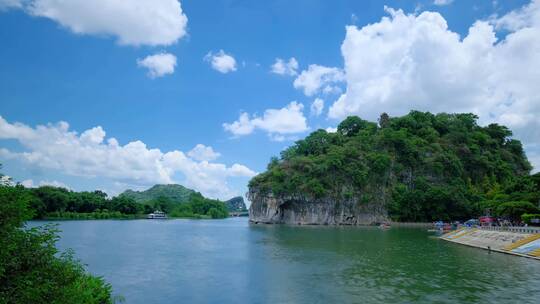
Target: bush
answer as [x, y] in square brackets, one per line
[514, 210]
[31, 268]
[527, 218]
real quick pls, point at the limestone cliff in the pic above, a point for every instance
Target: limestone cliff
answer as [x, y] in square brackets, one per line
[300, 210]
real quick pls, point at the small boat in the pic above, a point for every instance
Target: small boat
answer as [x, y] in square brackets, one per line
[157, 215]
[384, 226]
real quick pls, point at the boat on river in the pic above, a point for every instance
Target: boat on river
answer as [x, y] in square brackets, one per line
[384, 226]
[157, 215]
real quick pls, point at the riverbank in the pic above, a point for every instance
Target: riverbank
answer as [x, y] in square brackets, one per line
[517, 241]
[66, 216]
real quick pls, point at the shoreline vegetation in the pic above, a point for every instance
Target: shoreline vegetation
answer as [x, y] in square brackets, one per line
[32, 269]
[66, 216]
[54, 203]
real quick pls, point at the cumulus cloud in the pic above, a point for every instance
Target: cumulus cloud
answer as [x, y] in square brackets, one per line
[442, 2]
[282, 67]
[90, 154]
[526, 16]
[7, 4]
[276, 122]
[331, 130]
[132, 22]
[201, 152]
[317, 107]
[221, 62]
[318, 77]
[29, 183]
[158, 65]
[408, 61]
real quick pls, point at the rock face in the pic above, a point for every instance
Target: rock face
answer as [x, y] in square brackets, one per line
[298, 210]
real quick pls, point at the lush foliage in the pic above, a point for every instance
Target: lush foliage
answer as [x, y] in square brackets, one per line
[528, 218]
[59, 203]
[31, 268]
[53, 202]
[236, 204]
[197, 206]
[173, 192]
[421, 166]
[177, 201]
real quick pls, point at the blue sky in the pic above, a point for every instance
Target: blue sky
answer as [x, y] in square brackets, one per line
[211, 81]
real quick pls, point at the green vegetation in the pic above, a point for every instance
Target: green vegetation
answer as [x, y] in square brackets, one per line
[49, 202]
[421, 167]
[197, 206]
[528, 218]
[177, 193]
[31, 268]
[58, 203]
[236, 204]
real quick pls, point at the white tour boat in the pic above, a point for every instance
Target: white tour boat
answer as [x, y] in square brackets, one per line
[157, 215]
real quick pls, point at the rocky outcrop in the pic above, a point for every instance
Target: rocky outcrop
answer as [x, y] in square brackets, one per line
[236, 204]
[300, 210]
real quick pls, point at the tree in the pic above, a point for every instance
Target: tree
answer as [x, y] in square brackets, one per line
[125, 205]
[31, 268]
[384, 120]
[514, 210]
[352, 125]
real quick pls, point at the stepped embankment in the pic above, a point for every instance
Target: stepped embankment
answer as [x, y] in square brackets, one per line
[518, 241]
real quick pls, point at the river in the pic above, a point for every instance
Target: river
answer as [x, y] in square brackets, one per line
[231, 261]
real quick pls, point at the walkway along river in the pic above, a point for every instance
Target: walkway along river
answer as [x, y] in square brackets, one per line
[521, 241]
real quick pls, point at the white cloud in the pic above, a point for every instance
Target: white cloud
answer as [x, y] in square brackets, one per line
[442, 2]
[412, 61]
[317, 77]
[29, 183]
[201, 152]
[132, 22]
[55, 147]
[331, 130]
[275, 122]
[7, 4]
[158, 65]
[221, 62]
[281, 137]
[317, 107]
[241, 170]
[282, 67]
[527, 16]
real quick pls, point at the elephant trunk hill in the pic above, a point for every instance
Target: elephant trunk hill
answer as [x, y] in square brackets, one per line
[418, 167]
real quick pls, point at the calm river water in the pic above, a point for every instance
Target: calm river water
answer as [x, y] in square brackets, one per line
[231, 261]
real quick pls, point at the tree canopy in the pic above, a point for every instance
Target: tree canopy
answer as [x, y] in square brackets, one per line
[31, 268]
[421, 166]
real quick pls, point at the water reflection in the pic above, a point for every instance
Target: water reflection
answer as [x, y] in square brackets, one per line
[230, 261]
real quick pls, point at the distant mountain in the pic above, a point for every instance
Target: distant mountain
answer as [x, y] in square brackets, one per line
[236, 204]
[177, 193]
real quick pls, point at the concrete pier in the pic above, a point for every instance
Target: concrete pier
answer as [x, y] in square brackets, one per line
[525, 243]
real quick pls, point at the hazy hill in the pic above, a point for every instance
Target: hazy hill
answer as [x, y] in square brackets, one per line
[174, 192]
[236, 204]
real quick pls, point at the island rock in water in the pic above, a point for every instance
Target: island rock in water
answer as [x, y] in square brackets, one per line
[418, 167]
